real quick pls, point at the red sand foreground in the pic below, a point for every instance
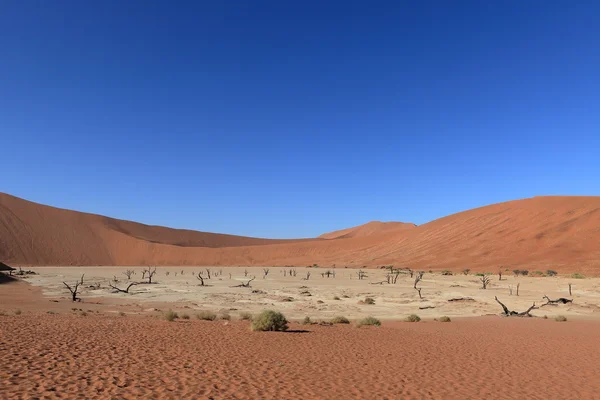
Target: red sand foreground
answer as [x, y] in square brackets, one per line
[100, 356]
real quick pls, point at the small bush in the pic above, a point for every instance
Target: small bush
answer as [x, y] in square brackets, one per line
[538, 273]
[445, 319]
[185, 316]
[245, 316]
[18, 312]
[466, 271]
[306, 320]
[47, 312]
[269, 320]
[524, 272]
[412, 318]
[336, 298]
[446, 272]
[225, 316]
[171, 316]
[345, 296]
[517, 272]
[479, 274]
[550, 272]
[320, 302]
[369, 300]
[340, 320]
[121, 314]
[561, 318]
[545, 317]
[206, 316]
[368, 321]
[83, 314]
[577, 275]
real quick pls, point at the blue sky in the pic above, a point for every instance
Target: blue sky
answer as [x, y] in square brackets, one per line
[289, 119]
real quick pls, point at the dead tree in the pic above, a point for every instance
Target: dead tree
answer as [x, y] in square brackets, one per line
[245, 272]
[181, 272]
[293, 272]
[208, 273]
[308, 275]
[570, 294]
[485, 281]
[265, 272]
[115, 280]
[510, 290]
[561, 300]
[200, 278]
[124, 290]
[150, 272]
[510, 313]
[518, 285]
[499, 275]
[128, 273]
[247, 284]
[75, 288]
[361, 274]
[285, 273]
[418, 279]
[167, 273]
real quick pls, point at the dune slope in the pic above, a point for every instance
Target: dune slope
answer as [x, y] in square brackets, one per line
[370, 228]
[557, 232]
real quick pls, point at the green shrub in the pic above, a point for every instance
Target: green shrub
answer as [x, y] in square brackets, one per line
[185, 316]
[171, 316]
[577, 275]
[306, 320]
[444, 319]
[225, 316]
[245, 316]
[550, 272]
[206, 316]
[412, 318]
[560, 318]
[18, 312]
[538, 273]
[517, 272]
[524, 272]
[479, 274]
[446, 272]
[369, 300]
[340, 320]
[368, 321]
[269, 320]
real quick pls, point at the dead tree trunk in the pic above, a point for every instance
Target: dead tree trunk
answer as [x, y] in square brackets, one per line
[150, 272]
[417, 280]
[510, 313]
[518, 284]
[200, 278]
[123, 290]
[128, 273]
[561, 300]
[570, 294]
[247, 284]
[208, 273]
[265, 272]
[485, 281]
[74, 289]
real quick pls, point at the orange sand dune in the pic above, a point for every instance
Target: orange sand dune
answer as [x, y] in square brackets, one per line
[560, 233]
[370, 228]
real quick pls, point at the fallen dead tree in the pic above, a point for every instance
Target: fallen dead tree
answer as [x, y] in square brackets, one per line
[461, 299]
[247, 284]
[126, 290]
[561, 300]
[510, 313]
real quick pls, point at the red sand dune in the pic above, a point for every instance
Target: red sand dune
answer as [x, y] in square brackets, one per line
[370, 228]
[557, 232]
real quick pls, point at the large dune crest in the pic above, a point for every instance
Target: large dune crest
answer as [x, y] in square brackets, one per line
[557, 232]
[370, 228]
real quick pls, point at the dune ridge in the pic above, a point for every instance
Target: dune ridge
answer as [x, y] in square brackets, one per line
[370, 228]
[557, 232]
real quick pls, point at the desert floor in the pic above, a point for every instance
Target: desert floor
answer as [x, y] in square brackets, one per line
[115, 345]
[297, 297]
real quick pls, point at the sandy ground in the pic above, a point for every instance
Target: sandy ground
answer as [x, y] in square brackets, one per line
[53, 348]
[318, 297]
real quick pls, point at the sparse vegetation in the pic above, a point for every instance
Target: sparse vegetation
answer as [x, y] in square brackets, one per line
[340, 320]
[121, 314]
[560, 318]
[245, 316]
[18, 312]
[444, 319]
[466, 271]
[269, 320]
[206, 316]
[412, 318]
[225, 316]
[83, 314]
[524, 272]
[171, 316]
[368, 321]
[577, 275]
[336, 298]
[550, 272]
[538, 273]
[185, 316]
[306, 320]
[446, 272]
[369, 300]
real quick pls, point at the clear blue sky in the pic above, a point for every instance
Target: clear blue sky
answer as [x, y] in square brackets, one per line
[288, 119]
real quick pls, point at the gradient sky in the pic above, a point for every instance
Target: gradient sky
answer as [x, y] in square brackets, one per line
[289, 119]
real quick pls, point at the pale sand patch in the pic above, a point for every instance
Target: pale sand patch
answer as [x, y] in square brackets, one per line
[392, 302]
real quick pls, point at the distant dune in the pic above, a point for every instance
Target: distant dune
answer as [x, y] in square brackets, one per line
[370, 228]
[560, 232]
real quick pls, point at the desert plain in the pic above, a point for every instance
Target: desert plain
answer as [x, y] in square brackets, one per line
[120, 345]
